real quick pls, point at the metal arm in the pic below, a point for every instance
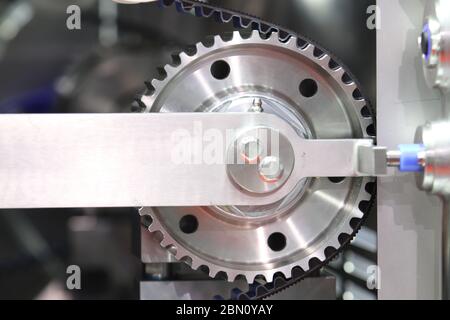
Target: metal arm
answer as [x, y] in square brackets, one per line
[114, 160]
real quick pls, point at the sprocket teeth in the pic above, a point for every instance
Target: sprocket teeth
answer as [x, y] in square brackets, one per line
[321, 256]
[200, 47]
[366, 123]
[255, 34]
[184, 58]
[165, 243]
[361, 104]
[187, 260]
[218, 40]
[213, 272]
[334, 243]
[138, 105]
[150, 87]
[175, 60]
[172, 249]
[292, 43]
[152, 228]
[349, 87]
[147, 100]
[181, 253]
[169, 70]
[338, 73]
[308, 51]
[205, 269]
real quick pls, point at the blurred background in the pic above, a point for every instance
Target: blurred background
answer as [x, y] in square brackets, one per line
[44, 67]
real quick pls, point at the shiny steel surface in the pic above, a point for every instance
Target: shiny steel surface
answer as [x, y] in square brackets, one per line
[234, 240]
[436, 175]
[91, 160]
[437, 26]
[254, 174]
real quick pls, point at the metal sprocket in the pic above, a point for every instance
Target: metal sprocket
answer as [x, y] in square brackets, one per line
[348, 197]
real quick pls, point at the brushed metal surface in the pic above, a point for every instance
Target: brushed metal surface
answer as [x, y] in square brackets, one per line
[122, 160]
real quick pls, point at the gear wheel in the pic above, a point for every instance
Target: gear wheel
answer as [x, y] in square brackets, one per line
[303, 85]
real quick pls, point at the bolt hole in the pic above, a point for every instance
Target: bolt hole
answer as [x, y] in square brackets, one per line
[308, 88]
[276, 241]
[336, 179]
[220, 70]
[188, 224]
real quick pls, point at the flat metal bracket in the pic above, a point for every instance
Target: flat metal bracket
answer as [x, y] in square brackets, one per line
[165, 159]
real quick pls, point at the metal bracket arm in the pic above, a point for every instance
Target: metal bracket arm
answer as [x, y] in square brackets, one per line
[124, 160]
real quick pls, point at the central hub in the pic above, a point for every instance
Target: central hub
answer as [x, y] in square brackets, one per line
[260, 161]
[267, 172]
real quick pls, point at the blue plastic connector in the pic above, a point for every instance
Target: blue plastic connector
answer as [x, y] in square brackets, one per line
[409, 158]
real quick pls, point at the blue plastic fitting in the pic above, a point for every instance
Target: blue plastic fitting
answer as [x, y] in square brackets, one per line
[409, 158]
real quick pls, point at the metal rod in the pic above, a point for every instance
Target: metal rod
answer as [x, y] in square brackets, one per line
[393, 158]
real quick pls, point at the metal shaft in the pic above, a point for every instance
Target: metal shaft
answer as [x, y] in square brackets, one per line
[393, 158]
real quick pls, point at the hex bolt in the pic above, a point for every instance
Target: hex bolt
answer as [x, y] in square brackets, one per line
[271, 169]
[256, 105]
[250, 148]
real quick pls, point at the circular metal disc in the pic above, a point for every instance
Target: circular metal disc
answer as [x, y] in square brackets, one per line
[311, 92]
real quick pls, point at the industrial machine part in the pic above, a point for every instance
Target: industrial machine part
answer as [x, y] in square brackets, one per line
[323, 93]
[299, 85]
[300, 207]
[430, 156]
[435, 136]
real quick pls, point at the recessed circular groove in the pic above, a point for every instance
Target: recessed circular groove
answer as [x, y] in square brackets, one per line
[188, 224]
[276, 241]
[308, 88]
[220, 70]
[336, 179]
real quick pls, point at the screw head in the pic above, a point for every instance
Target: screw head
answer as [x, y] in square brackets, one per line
[256, 105]
[271, 169]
